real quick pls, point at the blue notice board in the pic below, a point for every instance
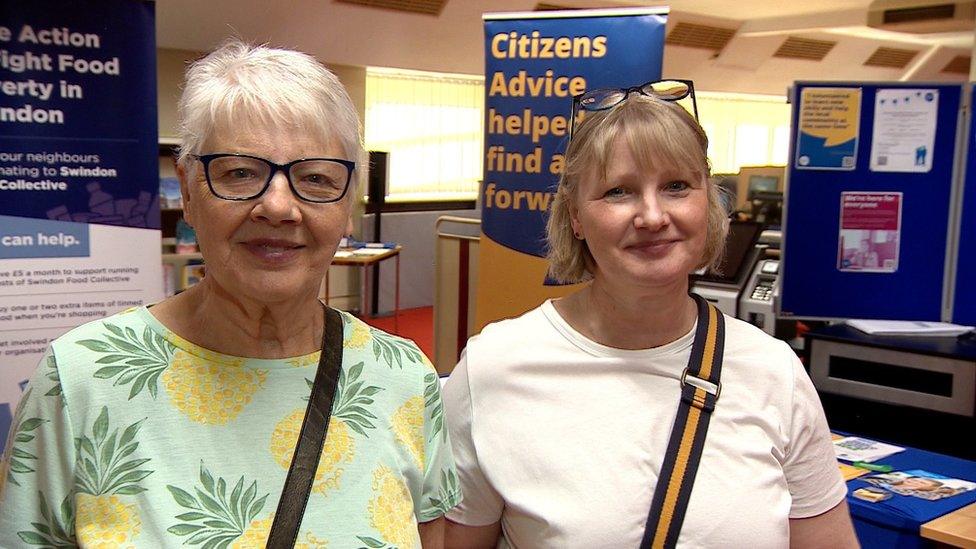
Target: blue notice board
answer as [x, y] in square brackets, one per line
[833, 269]
[964, 302]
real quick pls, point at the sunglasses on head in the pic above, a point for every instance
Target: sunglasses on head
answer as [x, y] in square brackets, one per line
[602, 99]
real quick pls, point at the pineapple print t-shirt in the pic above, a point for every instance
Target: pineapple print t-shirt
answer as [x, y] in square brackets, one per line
[130, 436]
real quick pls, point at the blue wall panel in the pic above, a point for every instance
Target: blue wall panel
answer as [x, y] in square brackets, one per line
[812, 285]
[964, 305]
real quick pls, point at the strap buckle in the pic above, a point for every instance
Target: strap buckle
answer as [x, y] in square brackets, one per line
[713, 389]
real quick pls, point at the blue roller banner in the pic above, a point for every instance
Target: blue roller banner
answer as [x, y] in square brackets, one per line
[534, 64]
[79, 174]
[74, 145]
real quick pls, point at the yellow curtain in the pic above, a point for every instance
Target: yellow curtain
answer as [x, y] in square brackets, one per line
[432, 126]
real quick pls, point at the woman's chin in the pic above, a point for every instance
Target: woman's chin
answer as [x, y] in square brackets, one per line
[267, 289]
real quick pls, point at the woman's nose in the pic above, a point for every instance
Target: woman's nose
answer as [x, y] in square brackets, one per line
[651, 213]
[278, 205]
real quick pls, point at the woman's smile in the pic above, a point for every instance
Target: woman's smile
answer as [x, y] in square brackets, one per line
[273, 250]
[653, 249]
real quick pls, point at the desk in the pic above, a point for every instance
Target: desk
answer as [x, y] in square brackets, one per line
[957, 528]
[364, 261]
[918, 391]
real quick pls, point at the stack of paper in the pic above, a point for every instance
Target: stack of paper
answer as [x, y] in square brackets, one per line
[912, 328]
[862, 449]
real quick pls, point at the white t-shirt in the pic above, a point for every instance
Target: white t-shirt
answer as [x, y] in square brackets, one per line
[562, 438]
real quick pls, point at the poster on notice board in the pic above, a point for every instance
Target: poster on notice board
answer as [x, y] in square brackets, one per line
[79, 176]
[904, 130]
[870, 232]
[828, 128]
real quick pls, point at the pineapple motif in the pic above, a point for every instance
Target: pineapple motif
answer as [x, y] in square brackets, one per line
[408, 427]
[339, 448]
[207, 387]
[131, 359]
[359, 335]
[19, 459]
[257, 533]
[52, 375]
[433, 402]
[349, 413]
[214, 519]
[56, 530]
[392, 348]
[450, 489]
[391, 512]
[303, 361]
[208, 391]
[104, 517]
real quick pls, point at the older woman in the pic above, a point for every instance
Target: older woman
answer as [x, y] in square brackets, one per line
[561, 418]
[176, 424]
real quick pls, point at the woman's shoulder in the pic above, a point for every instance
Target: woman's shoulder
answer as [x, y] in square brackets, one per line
[754, 351]
[528, 325]
[390, 352]
[125, 324]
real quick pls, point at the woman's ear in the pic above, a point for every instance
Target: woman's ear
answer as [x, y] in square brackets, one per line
[575, 222]
[188, 204]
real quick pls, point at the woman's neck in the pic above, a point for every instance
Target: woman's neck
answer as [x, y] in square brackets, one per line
[629, 319]
[215, 319]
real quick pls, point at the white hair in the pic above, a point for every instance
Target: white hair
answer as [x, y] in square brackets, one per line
[240, 84]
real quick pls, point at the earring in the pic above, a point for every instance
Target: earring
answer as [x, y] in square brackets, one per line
[578, 235]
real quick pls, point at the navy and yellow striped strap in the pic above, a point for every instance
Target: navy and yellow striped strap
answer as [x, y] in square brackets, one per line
[700, 389]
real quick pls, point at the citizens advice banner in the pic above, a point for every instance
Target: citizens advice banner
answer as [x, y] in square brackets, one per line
[79, 176]
[534, 64]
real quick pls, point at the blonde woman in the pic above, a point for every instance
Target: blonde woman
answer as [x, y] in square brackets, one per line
[560, 418]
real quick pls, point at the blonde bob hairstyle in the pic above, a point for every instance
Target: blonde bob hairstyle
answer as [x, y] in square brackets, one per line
[239, 86]
[662, 136]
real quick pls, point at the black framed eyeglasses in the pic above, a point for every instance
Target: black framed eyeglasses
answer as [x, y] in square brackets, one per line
[606, 98]
[244, 177]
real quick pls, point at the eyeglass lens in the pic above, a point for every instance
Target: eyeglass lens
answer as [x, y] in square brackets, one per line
[668, 90]
[243, 177]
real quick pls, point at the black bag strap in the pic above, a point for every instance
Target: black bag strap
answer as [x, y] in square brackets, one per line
[311, 438]
[700, 389]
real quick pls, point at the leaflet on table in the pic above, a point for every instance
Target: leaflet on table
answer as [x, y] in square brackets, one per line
[849, 472]
[921, 484]
[350, 242]
[908, 327]
[862, 449]
[361, 252]
[870, 232]
[371, 251]
[904, 130]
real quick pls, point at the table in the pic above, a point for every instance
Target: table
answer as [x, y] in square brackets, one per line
[897, 522]
[365, 261]
[957, 528]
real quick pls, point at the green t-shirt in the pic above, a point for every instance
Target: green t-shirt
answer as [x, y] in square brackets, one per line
[129, 435]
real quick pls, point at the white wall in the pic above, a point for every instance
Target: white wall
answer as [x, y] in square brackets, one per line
[415, 232]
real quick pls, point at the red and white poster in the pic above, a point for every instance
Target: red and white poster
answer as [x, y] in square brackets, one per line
[870, 231]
